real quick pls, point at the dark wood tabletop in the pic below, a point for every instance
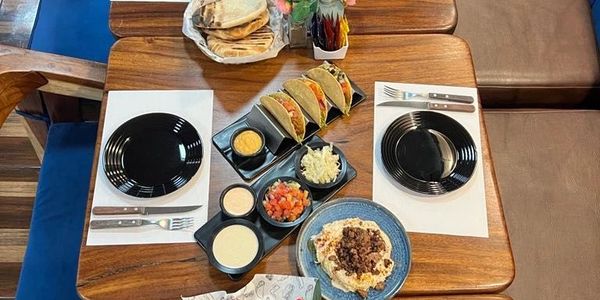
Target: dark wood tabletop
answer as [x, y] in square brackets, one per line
[134, 18]
[441, 264]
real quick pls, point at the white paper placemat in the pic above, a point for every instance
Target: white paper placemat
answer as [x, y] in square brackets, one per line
[195, 107]
[461, 212]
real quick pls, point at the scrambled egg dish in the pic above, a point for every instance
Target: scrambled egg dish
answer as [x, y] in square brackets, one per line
[356, 254]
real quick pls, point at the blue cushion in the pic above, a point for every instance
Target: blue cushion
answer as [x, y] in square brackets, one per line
[75, 28]
[50, 265]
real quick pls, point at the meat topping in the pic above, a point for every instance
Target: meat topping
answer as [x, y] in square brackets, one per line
[359, 251]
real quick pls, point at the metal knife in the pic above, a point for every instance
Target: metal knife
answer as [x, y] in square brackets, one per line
[449, 97]
[430, 105]
[140, 210]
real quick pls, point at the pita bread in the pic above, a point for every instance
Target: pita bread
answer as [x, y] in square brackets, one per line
[242, 31]
[224, 14]
[256, 43]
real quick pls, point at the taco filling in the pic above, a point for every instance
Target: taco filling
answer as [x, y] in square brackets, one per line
[295, 115]
[316, 89]
[342, 79]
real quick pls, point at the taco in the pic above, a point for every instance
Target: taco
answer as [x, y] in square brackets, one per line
[287, 112]
[335, 84]
[310, 96]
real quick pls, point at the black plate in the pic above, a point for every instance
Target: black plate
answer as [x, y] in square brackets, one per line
[152, 155]
[263, 213]
[428, 152]
[249, 168]
[272, 236]
[319, 145]
[211, 257]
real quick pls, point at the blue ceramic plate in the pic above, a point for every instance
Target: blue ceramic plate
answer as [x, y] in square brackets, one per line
[345, 208]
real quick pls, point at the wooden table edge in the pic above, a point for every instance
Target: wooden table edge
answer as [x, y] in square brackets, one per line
[447, 28]
[509, 279]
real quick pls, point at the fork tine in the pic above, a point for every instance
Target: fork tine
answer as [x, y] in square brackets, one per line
[182, 219]
[391, 89]
[395, 96]
[181, 223]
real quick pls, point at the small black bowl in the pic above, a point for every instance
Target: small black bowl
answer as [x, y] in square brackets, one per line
[227, 189]
[240, 130]
[211, 256]
[318, 145]
[263, 213]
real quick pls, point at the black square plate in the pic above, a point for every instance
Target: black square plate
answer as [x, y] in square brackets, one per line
[272, 236]
[250, 168]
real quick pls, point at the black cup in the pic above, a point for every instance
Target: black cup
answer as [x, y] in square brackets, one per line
[237, 185]
[263, 213]
[319, 145]
[211, 256]
[240, 130]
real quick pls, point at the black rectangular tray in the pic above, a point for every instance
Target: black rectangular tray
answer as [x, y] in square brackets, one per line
[250, 168]
[272, 235]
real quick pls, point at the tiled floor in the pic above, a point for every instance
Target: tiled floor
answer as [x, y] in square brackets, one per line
[19, 164]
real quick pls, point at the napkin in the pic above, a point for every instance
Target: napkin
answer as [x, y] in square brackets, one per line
[461, 212]
[270, 287]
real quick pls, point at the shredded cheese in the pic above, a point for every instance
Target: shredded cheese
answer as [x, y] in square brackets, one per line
[320, 166]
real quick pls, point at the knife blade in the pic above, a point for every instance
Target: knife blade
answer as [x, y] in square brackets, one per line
[430, 105]
[141, 210]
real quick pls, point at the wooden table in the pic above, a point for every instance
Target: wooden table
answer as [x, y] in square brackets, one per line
[441, 264]
[129, 19]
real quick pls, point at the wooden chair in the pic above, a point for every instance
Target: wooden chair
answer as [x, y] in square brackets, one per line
[50, 265]
[23, 71]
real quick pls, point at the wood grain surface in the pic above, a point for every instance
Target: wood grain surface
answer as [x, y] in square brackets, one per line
[129, 19]
[22, 71]
[441, 264]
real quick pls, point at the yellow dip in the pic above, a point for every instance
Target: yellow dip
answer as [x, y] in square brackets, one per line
[235, 246]
[247, 142]
[238, 201]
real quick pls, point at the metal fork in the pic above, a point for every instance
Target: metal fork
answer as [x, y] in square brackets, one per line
[166, 223]
[402, 95]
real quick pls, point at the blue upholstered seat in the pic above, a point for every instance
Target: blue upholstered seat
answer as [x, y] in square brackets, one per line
[50, 265]
[75, 28]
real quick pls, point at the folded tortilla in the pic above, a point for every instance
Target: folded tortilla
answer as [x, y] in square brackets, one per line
[335, 84]
[310, 96]
[287, 112]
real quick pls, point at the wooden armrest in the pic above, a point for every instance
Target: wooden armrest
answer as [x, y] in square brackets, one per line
[22, 71]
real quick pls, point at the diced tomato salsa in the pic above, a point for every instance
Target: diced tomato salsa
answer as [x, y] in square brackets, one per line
[285, 201]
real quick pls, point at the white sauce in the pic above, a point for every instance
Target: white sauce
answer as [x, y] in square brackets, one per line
[235, 246]
[238, 201]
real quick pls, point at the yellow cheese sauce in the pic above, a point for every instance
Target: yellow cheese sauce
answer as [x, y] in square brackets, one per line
[247, 142]
[235, 246]
[238, 201]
